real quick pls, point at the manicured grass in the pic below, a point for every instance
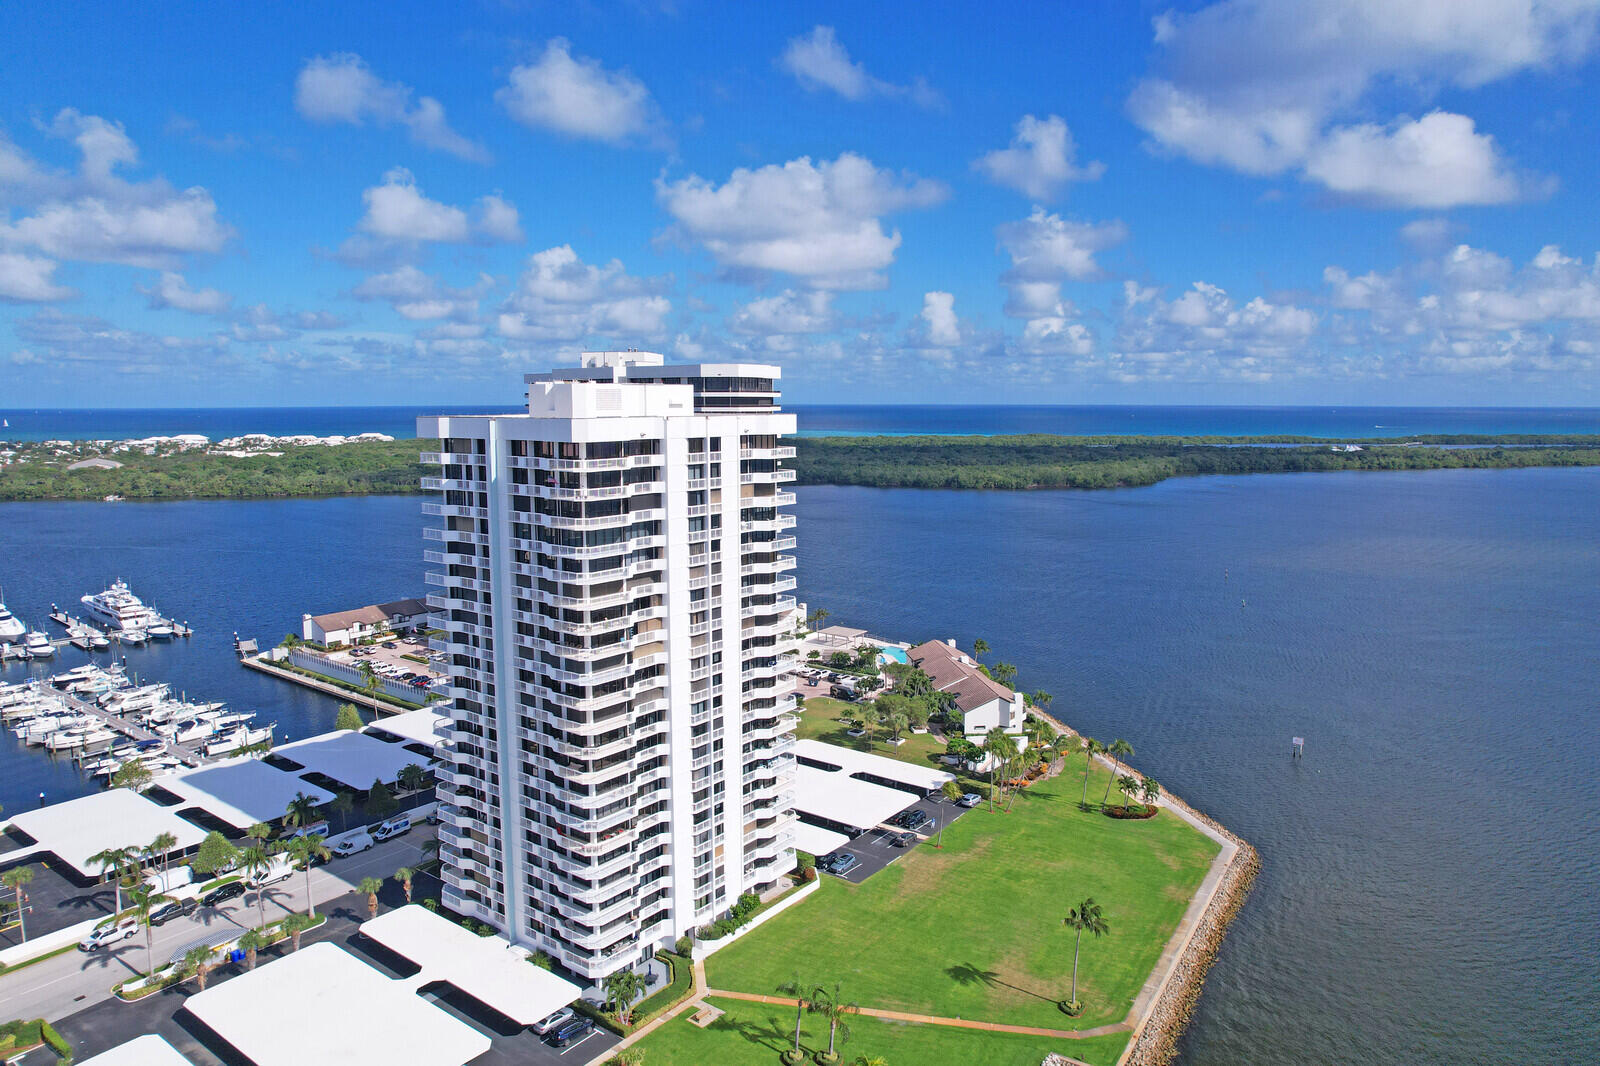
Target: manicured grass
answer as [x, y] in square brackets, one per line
[820, 719]
[753, 1034]
[975, 930]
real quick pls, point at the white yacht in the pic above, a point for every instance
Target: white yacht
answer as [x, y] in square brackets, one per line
[11, 627]
[121, 609]
[38, 645]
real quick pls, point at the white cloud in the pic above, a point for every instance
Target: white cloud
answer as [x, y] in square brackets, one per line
[398, 211]
[1042, 158]
[28, 279]
[1206, 336]
[787, 312]
[818, 222]
[1046, 247]
[64, 342]
[342, 88]
[421, 297]
[1259, 86]
[576, 96]
[171, 290]
[939, 315]
[819, 62]
[559, 297]
[95, 215]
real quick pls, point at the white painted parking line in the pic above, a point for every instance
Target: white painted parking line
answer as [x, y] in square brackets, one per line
[579, 1044]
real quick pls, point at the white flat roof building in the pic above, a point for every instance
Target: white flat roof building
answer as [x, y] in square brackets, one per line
[613, 571]
[423, 726]
[351, 758]
[90, 824]
[484, 967]
[240, 791]
[322, 1004]
[841, 799]
[862, 763]
[147, 1050]
[817, 840]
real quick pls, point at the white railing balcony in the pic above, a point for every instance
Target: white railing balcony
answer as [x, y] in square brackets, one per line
[449, 458]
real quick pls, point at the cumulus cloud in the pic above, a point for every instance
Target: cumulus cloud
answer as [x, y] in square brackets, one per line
[418, 296]
[820, 63]
[559, 297]
[943, 329]
[342, 88]
[397, 210]
[819, 222]
[171, 290]
[61, 340]
[787, 312]
[1041, 160]
[28, 279]
[1205, 335]
[577, 97]
[1260, 86]
[94, 214]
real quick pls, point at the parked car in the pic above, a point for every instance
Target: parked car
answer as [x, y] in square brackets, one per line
[552, 1021]
[319, 828]
[902, 839]
[971, 799]
[218, 896]
[840, 863]
[390, 644]
[570, 1031]
[173, 908]
[350, 845]
[109, 934]
[912, 820]
[393, 827]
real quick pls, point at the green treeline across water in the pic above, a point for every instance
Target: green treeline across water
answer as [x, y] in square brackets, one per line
[1022, 462]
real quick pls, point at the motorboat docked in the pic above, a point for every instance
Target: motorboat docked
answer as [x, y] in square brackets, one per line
[38, 645]
[119, 608]
[11, 628]
[97, 642]
[239, 738]
[134, 636]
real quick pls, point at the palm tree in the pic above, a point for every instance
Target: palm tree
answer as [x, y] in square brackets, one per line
[252, 941]
[306, 851]
[114, 861]
[294, 925]
[831, 1005]
[1004, 673]
[371, 886]
[162, 845]
[144, 900]
[1128, 787]
[302, 810]
[1041, 700]
[622, 988]
[1091, 747]
[794, 987]
[1118, 748]
[200, 960]
[980, 648]
[342, 805]
[260, 832]
[1086, 917]
[16, 879]
[1001, 749]
[413, 778]
[1151, 791]
[256, 862]
[870, 1060]
[404, 876]
[898, 723]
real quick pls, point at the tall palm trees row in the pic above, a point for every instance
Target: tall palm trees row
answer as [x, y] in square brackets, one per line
[818, 999]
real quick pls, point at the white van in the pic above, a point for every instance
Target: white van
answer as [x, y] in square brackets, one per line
[393, 827]
[282, 869]
[358, 841]
[319, 828]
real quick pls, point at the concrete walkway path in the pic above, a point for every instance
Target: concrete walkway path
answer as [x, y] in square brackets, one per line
[934, 1019]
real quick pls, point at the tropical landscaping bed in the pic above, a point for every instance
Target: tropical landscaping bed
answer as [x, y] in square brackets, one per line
[975, 930]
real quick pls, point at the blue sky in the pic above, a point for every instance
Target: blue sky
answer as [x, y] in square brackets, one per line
[1326, 201]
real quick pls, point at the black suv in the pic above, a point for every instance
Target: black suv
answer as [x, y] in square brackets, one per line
[231, 890]
[571, 1031]
[173, 908]
[912, 820]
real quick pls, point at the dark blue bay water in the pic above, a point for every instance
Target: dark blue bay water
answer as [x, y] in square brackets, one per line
[834, 420]
[1429, 869]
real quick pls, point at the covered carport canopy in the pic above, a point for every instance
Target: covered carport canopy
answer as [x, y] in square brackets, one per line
[88, 825]
[841, 799]
[424, 726]
[351, 758]
[865, 764]
[147, 1050]
[240, 791]
[322, 1004]
[817, 840]
[485, 968]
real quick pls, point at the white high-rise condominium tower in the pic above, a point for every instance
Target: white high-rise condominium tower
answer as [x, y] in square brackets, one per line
[613, 577]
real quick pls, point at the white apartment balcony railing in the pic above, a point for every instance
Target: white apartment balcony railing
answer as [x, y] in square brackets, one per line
[769, 566]
[765, 477]
[781, 603]
[610, 521]
[440, 533]
[701, 484]
[781, 499]
[449, 459]
[779, 452]
[577, 551]
[451, 484]
[623, 462]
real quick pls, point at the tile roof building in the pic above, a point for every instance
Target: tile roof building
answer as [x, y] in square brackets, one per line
[984, 702]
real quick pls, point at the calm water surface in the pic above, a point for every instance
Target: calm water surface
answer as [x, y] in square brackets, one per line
[1429, 869]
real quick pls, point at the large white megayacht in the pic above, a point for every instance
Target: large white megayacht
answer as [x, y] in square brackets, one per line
[612, 568]
[12, 628]
[120, 609]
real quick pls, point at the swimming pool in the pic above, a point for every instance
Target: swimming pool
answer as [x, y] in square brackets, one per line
[894, 655]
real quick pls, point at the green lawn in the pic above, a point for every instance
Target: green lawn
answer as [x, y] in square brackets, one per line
[752, 1034]
[821, 718]
[974, 930]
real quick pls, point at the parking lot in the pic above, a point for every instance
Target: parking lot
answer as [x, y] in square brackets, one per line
[389, 661]
[875, 848]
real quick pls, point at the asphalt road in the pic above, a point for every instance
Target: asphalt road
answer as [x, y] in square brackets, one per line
[74, 980]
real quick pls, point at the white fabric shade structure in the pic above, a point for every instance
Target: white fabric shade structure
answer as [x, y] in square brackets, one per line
[240, 791]
[485, 968]
[921, 778]
[322, 1004]
[90, 824]
[351, 758]
[817, 840]
[837, 797]
[147, 1050]
[425, 726]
